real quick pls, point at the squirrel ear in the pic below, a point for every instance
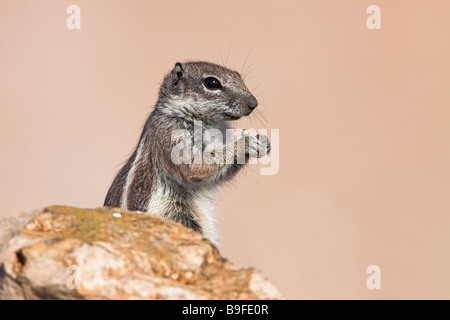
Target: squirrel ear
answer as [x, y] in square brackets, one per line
[179, 72]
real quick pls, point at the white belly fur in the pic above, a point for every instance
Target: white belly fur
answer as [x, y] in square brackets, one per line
[205, 213]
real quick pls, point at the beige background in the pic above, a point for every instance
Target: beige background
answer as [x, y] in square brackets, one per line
[363, 116]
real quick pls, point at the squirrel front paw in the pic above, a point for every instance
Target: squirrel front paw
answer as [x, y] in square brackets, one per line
[264, 146]
[257, 146]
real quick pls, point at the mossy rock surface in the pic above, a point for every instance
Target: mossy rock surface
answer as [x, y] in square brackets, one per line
[62, 252]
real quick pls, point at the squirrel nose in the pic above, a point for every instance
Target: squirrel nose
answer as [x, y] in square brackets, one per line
[252, 103]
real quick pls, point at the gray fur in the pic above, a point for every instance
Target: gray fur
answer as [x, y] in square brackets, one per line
[150, 181]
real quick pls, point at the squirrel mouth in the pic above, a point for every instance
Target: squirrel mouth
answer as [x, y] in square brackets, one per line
[233, 117]
[248, 112]
[241, 114]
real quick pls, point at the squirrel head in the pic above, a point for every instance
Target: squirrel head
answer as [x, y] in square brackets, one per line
[208, 91]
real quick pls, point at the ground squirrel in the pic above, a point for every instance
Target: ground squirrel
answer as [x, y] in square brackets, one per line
[192, 93]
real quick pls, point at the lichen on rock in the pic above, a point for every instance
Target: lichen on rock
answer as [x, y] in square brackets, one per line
[116, 254]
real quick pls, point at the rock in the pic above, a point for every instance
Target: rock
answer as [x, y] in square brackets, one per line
[70, 253]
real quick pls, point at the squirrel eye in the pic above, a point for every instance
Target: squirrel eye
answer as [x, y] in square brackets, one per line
[213, 83]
